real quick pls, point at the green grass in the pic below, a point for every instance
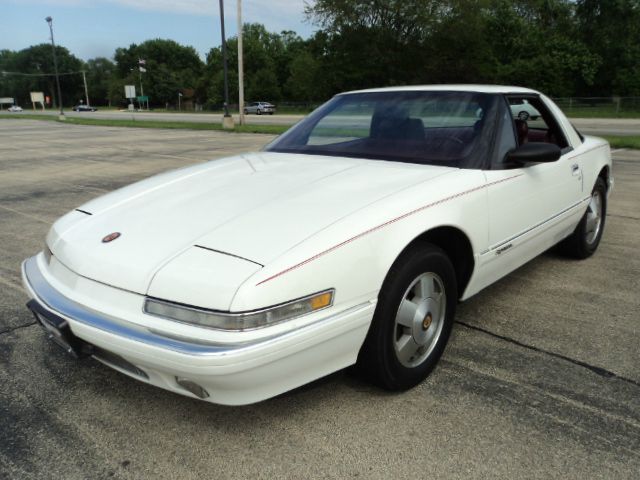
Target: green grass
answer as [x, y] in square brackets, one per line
[623, 142]
[606, 111]
[268, 129]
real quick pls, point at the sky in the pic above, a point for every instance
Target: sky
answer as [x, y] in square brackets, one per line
[92, 28]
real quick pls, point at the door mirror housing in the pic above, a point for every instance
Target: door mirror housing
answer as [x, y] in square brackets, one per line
[534, 152]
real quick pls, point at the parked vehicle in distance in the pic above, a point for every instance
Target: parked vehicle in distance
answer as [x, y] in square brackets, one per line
[84, 108]
[14, 108]
[349, 240]
[259, 108]
[523, 110]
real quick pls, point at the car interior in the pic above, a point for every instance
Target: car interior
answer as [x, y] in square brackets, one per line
[543, 129]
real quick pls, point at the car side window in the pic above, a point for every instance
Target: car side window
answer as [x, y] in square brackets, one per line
[534, 123]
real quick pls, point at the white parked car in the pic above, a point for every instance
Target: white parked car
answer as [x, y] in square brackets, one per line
[523, 110]
[14, 108]
[259, 108]
[348, 240]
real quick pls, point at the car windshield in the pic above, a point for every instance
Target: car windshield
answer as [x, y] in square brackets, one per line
[427, 127]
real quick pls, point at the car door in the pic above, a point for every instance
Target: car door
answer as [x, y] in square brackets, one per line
[530, 207]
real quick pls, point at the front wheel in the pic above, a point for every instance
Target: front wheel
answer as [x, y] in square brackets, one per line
[246, 112]
[412, 321]
[584, 240]
[259, 112]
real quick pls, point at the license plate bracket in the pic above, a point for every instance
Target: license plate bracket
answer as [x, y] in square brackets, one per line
[58, 330]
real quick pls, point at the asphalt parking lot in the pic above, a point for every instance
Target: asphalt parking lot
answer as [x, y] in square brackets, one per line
[541, 378]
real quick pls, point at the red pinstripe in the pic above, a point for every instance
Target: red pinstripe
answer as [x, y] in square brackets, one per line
[382, 225]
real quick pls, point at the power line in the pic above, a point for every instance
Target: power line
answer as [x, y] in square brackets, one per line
[39, 74]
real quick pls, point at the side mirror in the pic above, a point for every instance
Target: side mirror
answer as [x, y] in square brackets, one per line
[534, 152]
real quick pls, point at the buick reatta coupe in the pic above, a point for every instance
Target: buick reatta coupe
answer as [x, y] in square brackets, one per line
[348, 240]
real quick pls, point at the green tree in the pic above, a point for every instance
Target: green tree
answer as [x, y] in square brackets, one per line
[100, 74]
[170, 68]
[32, 69]
[611, 30]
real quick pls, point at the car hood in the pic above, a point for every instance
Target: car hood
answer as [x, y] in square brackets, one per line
[253, 207]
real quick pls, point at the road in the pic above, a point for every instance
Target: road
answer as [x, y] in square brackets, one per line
[540, 379]
[590, 126]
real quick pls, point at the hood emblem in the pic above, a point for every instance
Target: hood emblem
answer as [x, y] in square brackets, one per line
[111, 237]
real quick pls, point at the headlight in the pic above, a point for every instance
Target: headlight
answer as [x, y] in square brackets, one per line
[243, 320]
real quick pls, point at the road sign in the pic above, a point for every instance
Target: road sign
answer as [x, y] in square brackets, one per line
[8, 100]
[143, 98]
[130, 91]
[37, 97]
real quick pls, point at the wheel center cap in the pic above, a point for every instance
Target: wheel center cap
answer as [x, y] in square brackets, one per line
[426, 322]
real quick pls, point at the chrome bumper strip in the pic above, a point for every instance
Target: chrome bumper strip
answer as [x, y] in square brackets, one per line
[58, 304]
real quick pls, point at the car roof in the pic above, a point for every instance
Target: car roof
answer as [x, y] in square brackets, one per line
[452, 88]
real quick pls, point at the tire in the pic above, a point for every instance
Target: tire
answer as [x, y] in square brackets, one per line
[396, 356]
[246, 112]
[259, 112]
[523, 116]
[584, 240]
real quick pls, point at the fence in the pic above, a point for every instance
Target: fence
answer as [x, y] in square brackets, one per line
[600, 106]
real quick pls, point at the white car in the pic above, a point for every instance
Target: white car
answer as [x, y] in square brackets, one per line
[348, 240]
[523, 110]
[259, 108]
[14, 108]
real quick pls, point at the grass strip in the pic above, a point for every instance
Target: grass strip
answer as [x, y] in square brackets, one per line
[632, 141]
[268, 129]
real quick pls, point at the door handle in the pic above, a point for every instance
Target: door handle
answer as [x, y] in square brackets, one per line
[575, 169]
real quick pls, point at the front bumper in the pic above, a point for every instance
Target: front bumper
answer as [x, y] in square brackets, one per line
[231, 373]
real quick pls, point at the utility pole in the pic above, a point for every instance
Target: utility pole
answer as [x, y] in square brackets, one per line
[240, 66]
[227, 120]
[86, 90]
[142, 69]
[55, 66]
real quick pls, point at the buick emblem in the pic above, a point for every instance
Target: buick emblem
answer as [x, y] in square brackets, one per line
[111, 237]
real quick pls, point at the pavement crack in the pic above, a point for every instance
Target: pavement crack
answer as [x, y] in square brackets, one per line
[17, 327]
[602, 372]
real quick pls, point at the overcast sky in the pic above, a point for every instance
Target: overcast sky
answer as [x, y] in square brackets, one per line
[91, 28]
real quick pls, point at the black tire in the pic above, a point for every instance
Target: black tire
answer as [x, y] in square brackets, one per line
[259, 112]
[523, 116]
[246, 112]
[378, 360]
[583, 243]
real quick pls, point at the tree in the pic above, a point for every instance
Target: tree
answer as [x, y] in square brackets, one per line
[100, 74]
[32, 69]
[170, 68]
[611, 30]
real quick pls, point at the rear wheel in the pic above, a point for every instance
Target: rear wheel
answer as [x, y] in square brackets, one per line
[412, 321]
[259, 112]
[584, 241]
[246, 112]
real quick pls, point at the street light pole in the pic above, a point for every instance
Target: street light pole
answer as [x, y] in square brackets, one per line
[240, 66]
[179, 101]
[86, 90]
[227, 121]
[55, 66]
